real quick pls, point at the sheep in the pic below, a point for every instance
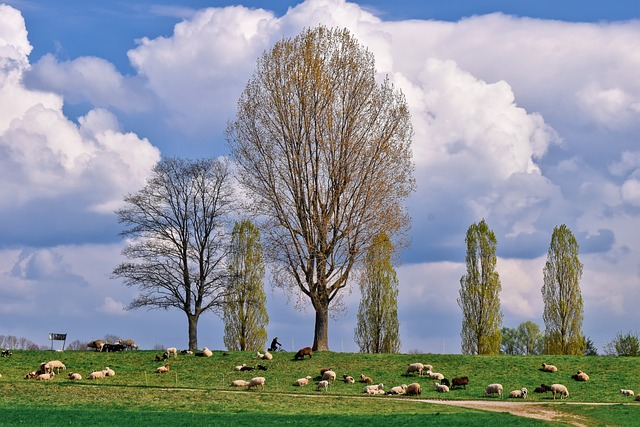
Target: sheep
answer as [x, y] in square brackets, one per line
[548, 368]
[239, 383]
[255, 382]
[128, 344]
[267, 355]
[108, 372]
[446, 382]
[365, 379]
[45, 367]
[259, 355]
[302, 381]
[74, 376]
[57, 366]
[96, 345]
[322, 385]
[441, 388]
[434, 375]
[113, 347]
[493, 389]
[306, 351]
[239, 367]
[460, 381]
[415, 367]
[323, 370]
[170, 351]
[519, 394]
[207, 352]
[163, 369]
[185, 352]
[413, 389]
[159, 358]
[96, 374]
[559, 388]
[638, 398]
[348, 379]
[373, 389]
[399, 389]
[329, 376]
[31, 375]
[261, 367]
[542, 389]
[580, 376]
[625, 392]
[6, 353]
[46, 376]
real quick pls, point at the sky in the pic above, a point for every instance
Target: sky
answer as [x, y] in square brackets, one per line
[526, 114]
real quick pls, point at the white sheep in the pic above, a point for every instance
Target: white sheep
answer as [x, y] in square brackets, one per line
[580, 376]
[207, 352]
[74, 376]
[108, 372]
[549, 368]
[441, 388]
[96, 374]
[373, 389]
[302, 381]
[259, 355]
[56, 365]
[163, 369]
[348, 379]
[626, 392]
[170, 351]
[415, 367]
[45, 367]
[329, 376]
[239, 367]
[255, 382]
[519, 394]
[323, 385]
[434, 375]
[239, 383]
[267, 355]
[493, 389]
[46, 376]
[559, 388]
[399, 389]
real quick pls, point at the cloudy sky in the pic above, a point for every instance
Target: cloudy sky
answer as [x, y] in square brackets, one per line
[526, 114]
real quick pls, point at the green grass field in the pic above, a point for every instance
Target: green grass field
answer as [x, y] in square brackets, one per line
[196, 389]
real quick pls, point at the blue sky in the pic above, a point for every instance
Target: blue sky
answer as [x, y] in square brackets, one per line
[525, 114]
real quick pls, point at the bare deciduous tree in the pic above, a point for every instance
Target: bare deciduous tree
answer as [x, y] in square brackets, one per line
[177, 239]
[325, 154]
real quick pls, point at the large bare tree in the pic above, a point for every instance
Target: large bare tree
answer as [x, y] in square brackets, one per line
[324, 151]
[177, 244]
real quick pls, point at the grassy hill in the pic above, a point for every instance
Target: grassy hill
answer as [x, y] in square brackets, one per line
[197, 388]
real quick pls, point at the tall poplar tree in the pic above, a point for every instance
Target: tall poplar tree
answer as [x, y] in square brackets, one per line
[563, 309]
[377, 330]
[245, 313]
[479, 293]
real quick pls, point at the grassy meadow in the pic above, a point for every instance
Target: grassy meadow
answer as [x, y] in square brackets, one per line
[196, 389]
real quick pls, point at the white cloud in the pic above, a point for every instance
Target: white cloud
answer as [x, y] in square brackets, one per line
[111, 306]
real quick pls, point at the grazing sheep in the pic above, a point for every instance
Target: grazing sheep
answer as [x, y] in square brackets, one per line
[413, 389]
[625, 392]
[493, 389]
[113, 347]
[128, 344]
[74, 376]
[519, 394]
[239, 383]
[399, 389]
[239, 367]
[170, 351]
[255, 382]
[302, 381]
[322, 385]
[163, 369]
[348, 379]
[415, 367]
[108, 372]
[542, 389]
[548, 368]
[365, 379]
[373, 389]
[580, 376]
[434, 375]
[57, 366]
[306, 351]
[96, 345]
[46, 376]
[96, 374]
[261, 367]
[441, 388]
[207, 352]
[329, 376]
[559, 388]
[460, 381]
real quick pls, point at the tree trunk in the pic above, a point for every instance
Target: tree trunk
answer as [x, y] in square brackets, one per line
[321, 333]
[193, 331]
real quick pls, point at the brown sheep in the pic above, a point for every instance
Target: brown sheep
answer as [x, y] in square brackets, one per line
[413, 389]
[306, 351]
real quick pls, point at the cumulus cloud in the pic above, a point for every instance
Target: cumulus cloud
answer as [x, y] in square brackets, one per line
[111, 306]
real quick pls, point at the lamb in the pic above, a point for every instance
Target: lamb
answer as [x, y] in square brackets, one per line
[323, 385]
[31, 375]
[493, 389]
[46, 376]
[348, 379]
[548, 368]
[239, 383]
[44, 368]
[413, 389]
[434, 375]
[108, 372]
[74, 376]
[163, 369]
[302, 381]
[399, 389]
[415, 367]
[460, 381]
[207, 352]
[441, 388]
[247, 368]
[580, 376]
[365, 379]
[255, 382]
[373, 389]
[559, 388]
[170, 351]
[519, 394]
[239, 367]
[329, 376]
[185, 352]
[259, 355]
[625, 392]
[306, 351]
[96, 374]
[542, 389]
[261, 367]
